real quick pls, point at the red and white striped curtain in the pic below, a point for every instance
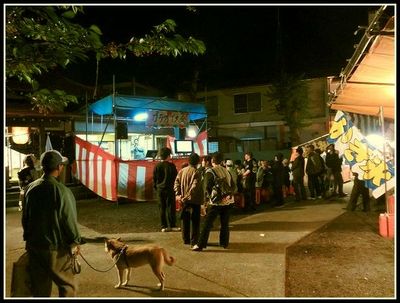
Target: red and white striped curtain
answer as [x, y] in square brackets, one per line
[110, 177]
[96, 169]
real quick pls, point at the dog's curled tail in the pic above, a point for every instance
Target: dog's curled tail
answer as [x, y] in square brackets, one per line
[170, 260]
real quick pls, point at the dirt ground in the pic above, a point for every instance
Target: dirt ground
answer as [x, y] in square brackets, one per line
[346, 258]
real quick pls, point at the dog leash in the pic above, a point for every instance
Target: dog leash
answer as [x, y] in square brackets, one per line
[103, 270]
[75, 265]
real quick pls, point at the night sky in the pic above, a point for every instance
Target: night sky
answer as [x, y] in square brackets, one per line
[241, 43]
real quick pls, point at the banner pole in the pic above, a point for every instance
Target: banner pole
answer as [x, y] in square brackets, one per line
[384, 153]
[87, 115]
[116, 145]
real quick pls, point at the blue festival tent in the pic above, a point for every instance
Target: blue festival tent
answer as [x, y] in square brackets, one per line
[128, 106]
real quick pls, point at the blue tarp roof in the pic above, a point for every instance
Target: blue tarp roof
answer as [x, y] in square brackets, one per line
[130, 105]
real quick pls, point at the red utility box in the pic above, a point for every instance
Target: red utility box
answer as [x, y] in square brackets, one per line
[386, 225]
[391, 204]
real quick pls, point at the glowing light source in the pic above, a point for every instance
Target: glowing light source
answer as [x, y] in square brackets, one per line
[191, 131]
[141, 117]
[20, 135]
[375, 140]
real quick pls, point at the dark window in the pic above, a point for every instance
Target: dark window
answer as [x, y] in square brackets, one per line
[254, 102]
[245, 103]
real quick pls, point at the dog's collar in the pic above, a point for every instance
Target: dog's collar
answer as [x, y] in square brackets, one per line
[119, 253]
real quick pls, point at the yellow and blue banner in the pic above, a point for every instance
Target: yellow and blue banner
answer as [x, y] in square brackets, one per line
[363, 158]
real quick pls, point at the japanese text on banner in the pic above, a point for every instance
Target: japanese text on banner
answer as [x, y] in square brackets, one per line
[167, 119]
[364, 159]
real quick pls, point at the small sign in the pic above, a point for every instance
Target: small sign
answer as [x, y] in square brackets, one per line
[167, 119]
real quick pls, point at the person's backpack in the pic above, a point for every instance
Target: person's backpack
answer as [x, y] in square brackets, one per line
[315, 164]
[220, 190]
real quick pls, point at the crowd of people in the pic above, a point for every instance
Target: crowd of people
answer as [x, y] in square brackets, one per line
[250, 183]
[208, 186]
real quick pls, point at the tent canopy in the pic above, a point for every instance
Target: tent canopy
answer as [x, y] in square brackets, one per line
[128, 106]
[372, 84]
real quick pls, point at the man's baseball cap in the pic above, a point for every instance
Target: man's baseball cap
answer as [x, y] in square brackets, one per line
[229, 163]
[51, 159]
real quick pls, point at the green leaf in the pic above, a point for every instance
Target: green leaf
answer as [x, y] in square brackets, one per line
[69, 14]
[27, 77]
[35, 85]
[36, 69]
[95, 29]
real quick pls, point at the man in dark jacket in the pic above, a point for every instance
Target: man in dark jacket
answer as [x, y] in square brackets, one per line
[359, 189]
[164, 175]
[313, 170]
[189, 192]
[277, 170]
[334, 164]
[50, 229]
[298, 175]
[249, 181]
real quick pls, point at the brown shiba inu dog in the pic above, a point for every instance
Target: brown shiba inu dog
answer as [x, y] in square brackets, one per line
[136, 256]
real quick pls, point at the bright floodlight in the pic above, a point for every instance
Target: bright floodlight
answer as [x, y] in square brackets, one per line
[140, 117]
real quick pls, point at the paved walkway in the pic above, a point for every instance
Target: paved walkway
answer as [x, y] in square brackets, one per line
[252, 266]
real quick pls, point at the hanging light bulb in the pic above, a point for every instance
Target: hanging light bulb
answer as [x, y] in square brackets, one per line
[20, 135]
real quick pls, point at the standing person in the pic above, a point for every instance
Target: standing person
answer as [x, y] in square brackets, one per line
[334, 164]
[137, 152]
[278, 179]
[286, 178]
[216, 208]
[233, 171]
[260, 174]
[189, 191]
[205, 164]
[263, 180]
[298, 175]
[267, 177]
[249, 181]
[239, 196]
[26, 175]
[359, 188]
[239, 170]
[322, 173]
[164, 176]
[50, 229]
[313, 169]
